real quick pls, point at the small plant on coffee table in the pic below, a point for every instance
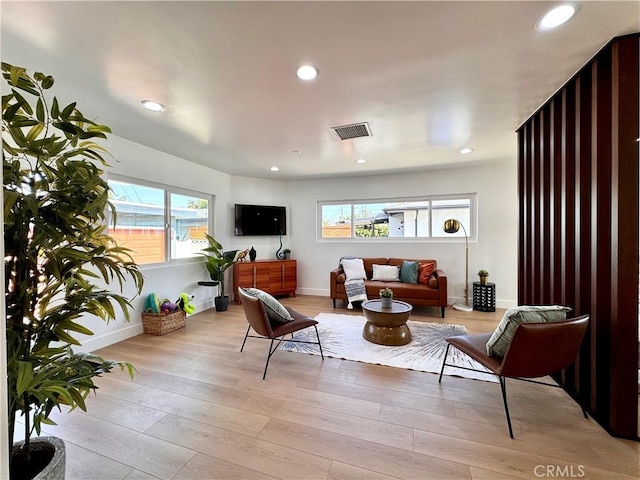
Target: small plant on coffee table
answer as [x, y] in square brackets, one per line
[386, 297]
[386, 293]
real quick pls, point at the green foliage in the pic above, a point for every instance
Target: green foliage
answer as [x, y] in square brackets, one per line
[57, 251]
[378, 230]
[218, 261]
[198, 203]
[483, 273]
[386, 293]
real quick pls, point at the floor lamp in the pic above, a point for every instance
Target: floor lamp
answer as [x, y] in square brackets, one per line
[452, 226]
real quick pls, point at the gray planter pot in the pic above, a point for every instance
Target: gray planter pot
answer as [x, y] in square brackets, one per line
[55, 470]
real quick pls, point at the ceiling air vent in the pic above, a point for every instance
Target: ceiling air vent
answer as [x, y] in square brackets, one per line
[355, 130]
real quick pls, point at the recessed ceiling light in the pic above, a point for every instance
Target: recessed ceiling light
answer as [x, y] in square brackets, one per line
[361, 161]
[153, 106]
[275, 169]
[307, 72]
[464, 151]
[557, 16]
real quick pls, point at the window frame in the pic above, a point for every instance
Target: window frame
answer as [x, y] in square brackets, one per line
[168, 190]
[473, 219]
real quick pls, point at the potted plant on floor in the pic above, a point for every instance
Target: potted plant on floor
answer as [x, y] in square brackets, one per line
[218, 262]
[58, 260]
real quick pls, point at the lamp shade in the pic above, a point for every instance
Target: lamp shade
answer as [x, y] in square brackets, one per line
[451, 226]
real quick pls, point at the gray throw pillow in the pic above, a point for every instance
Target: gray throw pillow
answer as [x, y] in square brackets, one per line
[501, 337]
[275, 310]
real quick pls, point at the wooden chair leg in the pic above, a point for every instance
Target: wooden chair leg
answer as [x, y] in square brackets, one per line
[503, 387]
[245, 338]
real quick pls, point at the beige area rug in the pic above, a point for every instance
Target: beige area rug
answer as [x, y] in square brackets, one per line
[341, 337]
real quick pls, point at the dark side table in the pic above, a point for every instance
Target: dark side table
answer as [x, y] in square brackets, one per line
[484, 297]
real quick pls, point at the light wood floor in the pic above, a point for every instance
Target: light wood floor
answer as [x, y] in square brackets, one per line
[198, 408]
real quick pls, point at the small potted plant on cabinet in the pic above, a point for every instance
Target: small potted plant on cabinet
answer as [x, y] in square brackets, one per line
[386, 296]
[287, 253]
[484, 276]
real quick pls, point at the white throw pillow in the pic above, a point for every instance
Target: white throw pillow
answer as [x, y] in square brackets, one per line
[386, 273]
[354, 269]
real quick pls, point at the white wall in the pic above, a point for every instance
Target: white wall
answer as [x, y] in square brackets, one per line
[495, 249]
[256, 191]
[137, 161]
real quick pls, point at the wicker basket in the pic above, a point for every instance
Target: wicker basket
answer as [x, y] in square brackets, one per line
[163, 323]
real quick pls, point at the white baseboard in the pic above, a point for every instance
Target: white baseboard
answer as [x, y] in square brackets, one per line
[129, 330]
[316, 292]
[97, 342]
[500, 303]
[506, 303]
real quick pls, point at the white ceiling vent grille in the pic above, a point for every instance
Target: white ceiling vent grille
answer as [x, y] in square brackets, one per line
[355, 130]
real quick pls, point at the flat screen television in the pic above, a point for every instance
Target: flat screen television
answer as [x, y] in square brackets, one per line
[260, 220]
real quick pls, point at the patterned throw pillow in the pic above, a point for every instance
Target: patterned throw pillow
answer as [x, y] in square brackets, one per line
[425, 270]
[386, 273]
[501, 337]
[275, 310]
[409, 272]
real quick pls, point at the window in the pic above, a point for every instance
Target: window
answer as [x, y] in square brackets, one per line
[416, 218]
[158, 223]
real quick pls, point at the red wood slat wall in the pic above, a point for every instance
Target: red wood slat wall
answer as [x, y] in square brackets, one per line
[578, 227]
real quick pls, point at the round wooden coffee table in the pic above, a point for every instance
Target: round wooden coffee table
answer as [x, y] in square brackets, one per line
[387, 326]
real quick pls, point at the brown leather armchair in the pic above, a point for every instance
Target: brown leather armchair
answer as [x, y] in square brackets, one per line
[258, 320]
[536, 350]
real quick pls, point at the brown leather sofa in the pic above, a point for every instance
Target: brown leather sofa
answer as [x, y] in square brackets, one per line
[434, 295]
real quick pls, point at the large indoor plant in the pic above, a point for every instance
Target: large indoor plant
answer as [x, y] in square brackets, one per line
[59, 259]
[218, 262]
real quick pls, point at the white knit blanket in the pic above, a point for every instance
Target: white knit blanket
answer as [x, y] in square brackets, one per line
[356, 292]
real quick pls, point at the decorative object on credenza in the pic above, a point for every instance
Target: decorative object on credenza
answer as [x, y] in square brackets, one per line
[484, 276]
[386, 297]
[452, 226]
[279, 252]
[242, 256]
[286, 254]
[252, 254]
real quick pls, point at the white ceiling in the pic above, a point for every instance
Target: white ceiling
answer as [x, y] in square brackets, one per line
[429, 77]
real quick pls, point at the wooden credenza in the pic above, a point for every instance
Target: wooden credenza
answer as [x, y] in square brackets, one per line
[277, 277]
